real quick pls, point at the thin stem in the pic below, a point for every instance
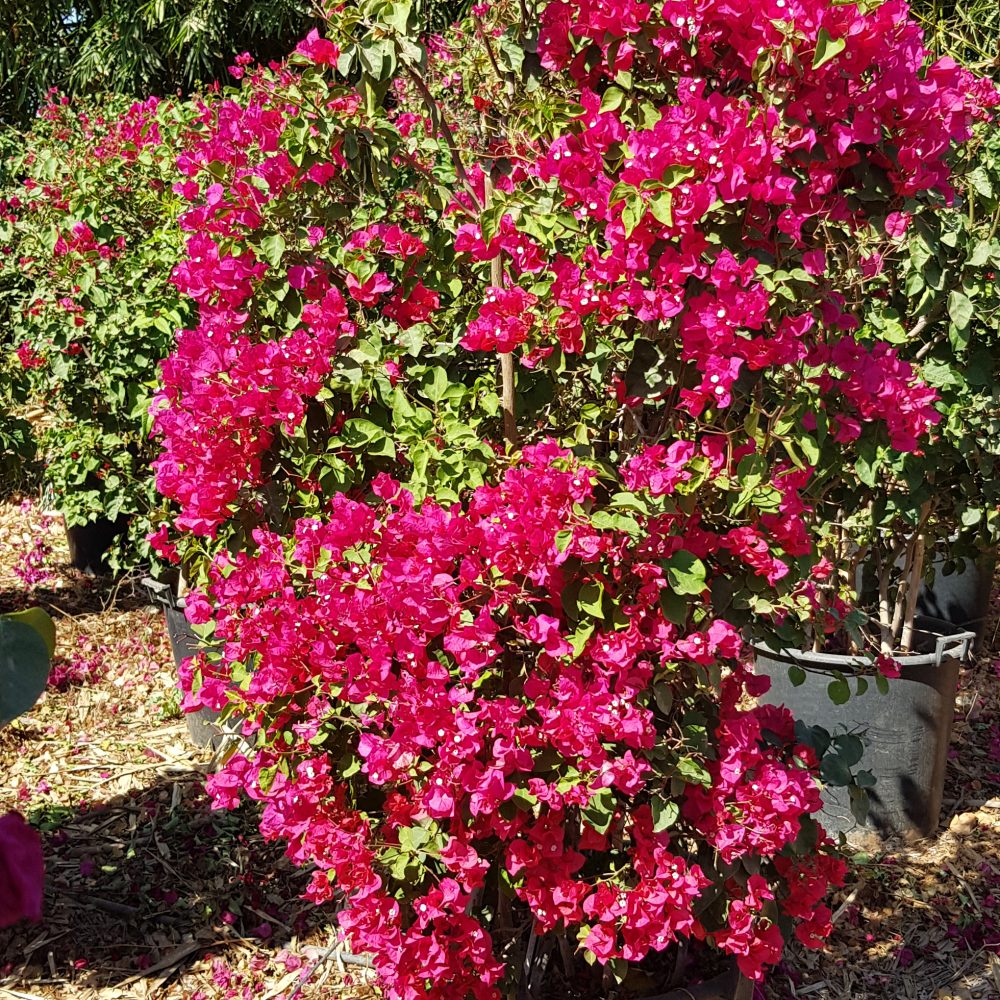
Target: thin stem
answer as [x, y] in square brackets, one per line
[440, 121]
[508, 400]
[885, 564]
[903, 590]
[924, 322]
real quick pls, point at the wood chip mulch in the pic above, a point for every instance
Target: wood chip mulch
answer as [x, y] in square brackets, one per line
[149, 893]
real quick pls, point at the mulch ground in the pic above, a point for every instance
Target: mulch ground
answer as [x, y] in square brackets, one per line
[152, 894]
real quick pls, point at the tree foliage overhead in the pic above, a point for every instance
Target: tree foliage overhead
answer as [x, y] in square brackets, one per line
[966, 30]
[142, 47]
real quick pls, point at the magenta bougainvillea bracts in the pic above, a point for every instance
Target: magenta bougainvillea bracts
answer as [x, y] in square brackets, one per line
[22, 871]
[495, 684]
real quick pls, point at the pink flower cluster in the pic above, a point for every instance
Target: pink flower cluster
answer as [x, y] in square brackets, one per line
[223, 393]
[391, 627]
[22, 871]
[789, 168]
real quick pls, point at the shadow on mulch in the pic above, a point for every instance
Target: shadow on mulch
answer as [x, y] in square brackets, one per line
[148, 883]
[84, 596]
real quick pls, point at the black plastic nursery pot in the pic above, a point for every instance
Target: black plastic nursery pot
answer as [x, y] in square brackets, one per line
[203, 725]
[728, 986]
[89, 543]
[906, 731]
[961, 598]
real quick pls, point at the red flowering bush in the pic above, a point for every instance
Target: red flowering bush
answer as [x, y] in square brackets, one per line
[87, 242]
[491, 690]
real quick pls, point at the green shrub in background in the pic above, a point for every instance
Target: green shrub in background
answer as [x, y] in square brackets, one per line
[90, 239]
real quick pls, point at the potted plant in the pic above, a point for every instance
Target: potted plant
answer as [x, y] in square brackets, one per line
[88, 236]
[911, 536]
[203, 725]
[494, 435]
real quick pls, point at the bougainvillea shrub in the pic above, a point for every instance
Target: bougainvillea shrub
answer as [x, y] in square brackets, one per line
[89, 239]
[491, 449]
[933, 291]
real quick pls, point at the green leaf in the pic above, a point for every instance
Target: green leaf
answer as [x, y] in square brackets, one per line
[693, 772]
[675, 173]
[435, 385]
[960, 309]
[580, 637]
[752, 470]
[412, 838]
[674, 606]
[850, 748]
[632, 213]
[662, 208]
[761, 65]
[814, 736]
[827, 48]
[940, 374]
[686, 573]
[511, 54]
[272, 248]
[979, 180]
[665, 813]
[809, 447]
[364, 436]
[378, 57]
[600, 810]
[398, 17]
[866, 465]
[619, 193]
[839, 691]
[664, 695]
[591, 598]
[796, 675]
[524, 799]
[24, 668]
[41, 622]
[563, 539]
[834, 771]
[612, 99]
[358, 432]
[606, 520]
[982, 252]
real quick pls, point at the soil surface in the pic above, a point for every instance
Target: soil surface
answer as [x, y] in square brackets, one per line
[149, 892]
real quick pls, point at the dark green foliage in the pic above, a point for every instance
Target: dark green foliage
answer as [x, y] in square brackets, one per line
[143, 47]
[966, 30]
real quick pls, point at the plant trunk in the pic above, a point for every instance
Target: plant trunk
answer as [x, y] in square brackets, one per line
[916, 572]
[884, 617]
